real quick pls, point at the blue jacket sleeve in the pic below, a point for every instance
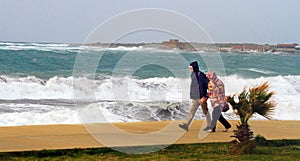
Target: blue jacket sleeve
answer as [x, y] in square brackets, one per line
[203, 84]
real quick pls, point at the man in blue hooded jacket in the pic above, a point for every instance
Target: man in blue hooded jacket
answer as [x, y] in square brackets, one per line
[198, 94]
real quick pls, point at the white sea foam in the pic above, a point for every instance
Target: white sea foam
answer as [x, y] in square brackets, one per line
[124, 88]
[127, 92]
[68, 47]
[127, 48]
[260, 71]
[286, 90]
[65, 116]
[15, 114]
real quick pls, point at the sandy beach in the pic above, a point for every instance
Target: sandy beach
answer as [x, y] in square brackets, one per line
[39, 137]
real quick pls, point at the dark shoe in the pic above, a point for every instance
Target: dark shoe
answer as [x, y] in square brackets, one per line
[206, 128]
[184, 127]
[225, 130]
[213, 129]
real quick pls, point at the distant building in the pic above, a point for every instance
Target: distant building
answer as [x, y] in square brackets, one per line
[289, 48]
[225, 49]
[173, 44]
[250, 48]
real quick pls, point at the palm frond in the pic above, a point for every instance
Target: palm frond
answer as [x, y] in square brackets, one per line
[254, 100]
[260, 100]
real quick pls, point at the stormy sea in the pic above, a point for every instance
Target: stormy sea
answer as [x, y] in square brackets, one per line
[54, 83]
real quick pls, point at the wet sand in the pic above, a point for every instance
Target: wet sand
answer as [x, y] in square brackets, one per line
[39, 137]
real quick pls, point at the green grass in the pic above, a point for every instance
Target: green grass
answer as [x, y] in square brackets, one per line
[266, 150]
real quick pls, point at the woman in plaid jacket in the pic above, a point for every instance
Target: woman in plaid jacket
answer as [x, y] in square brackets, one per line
[216, 93]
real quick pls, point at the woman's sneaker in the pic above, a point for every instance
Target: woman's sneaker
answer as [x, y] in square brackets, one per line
[184, 127]
[213, 129]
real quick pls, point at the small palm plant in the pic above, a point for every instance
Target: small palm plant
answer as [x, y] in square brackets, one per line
[245, 104]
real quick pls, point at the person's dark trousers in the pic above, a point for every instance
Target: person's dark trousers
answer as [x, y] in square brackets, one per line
[224, 122]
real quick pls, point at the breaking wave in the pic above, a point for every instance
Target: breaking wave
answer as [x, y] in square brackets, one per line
[60, 100]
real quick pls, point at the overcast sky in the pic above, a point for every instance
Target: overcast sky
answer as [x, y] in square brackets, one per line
[70, 21]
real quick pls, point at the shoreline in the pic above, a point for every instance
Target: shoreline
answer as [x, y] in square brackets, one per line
[70, 136]
[178, 46]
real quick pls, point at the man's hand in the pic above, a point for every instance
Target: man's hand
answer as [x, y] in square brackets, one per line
[203, 100]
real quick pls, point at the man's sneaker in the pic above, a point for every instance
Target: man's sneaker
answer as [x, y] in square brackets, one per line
[206, 128]
[209, 130]
[184, 127]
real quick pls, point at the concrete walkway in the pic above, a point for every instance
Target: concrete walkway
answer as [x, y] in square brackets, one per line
[25, 138]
